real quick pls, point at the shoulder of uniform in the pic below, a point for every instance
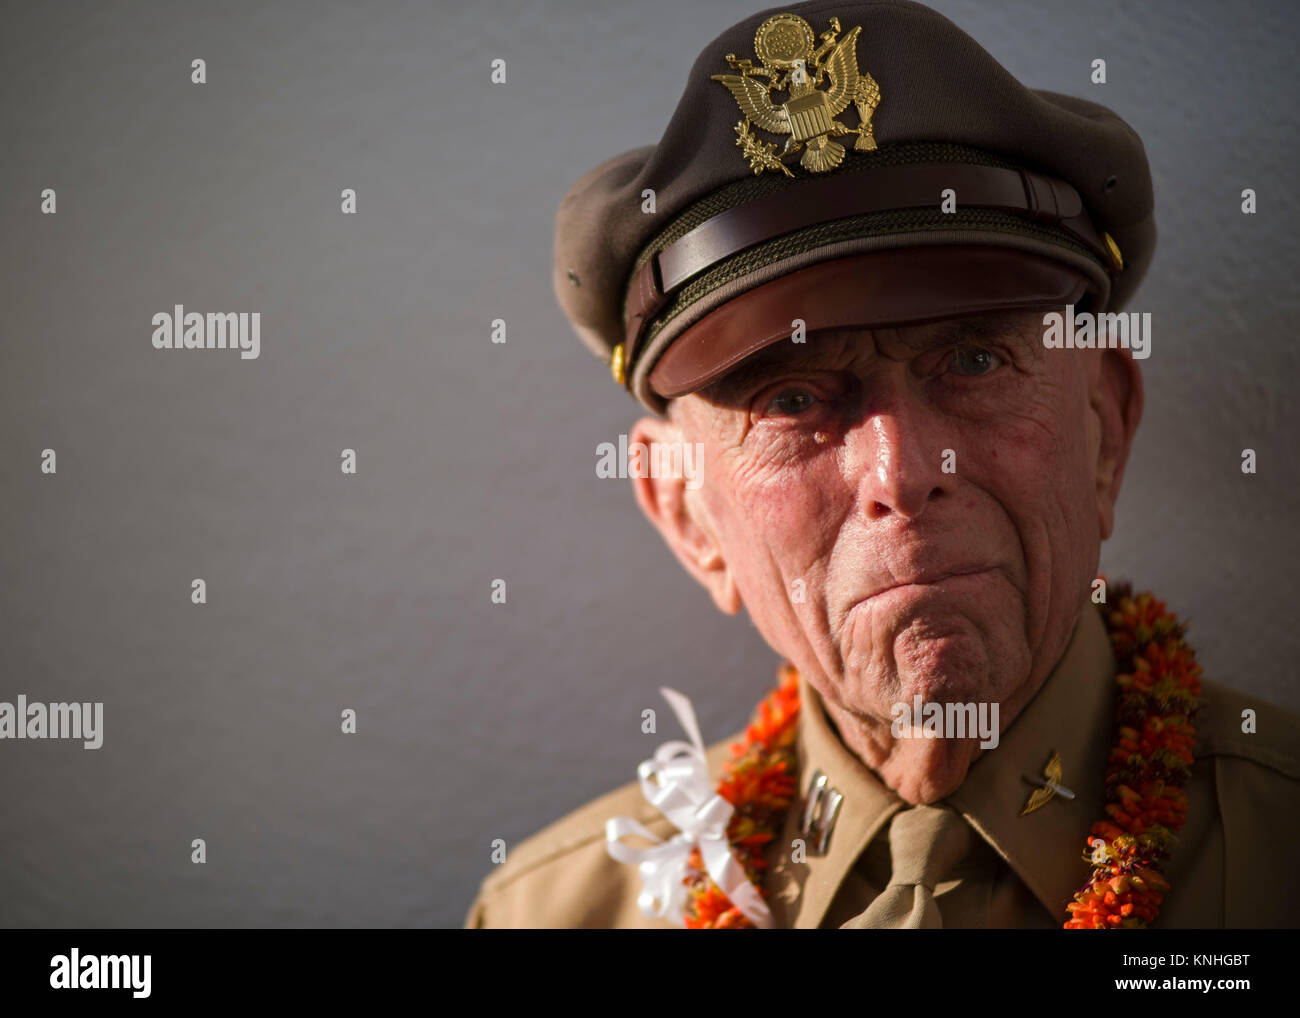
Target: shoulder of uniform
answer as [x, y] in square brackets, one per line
[571, 840]
[1269, 735]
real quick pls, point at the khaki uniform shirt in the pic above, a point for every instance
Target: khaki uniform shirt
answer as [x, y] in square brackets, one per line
[1231, 867]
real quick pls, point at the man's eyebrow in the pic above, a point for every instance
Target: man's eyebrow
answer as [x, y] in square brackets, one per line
[751, 373]
[977, 328]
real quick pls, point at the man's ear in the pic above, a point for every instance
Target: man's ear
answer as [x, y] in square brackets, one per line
[675, 511]
[1116, 397]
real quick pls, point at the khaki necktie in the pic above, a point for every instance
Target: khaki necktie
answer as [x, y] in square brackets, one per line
[925, 842]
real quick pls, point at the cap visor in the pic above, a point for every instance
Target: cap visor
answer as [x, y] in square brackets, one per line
[899, 286]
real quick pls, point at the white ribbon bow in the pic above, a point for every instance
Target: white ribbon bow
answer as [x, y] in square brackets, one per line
[685, 795]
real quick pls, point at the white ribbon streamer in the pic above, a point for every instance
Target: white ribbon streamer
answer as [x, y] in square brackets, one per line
[676, 782]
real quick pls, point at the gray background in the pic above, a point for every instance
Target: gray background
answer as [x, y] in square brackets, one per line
[476, 460]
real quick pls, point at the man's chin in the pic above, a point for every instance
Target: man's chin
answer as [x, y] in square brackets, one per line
[945, 661]
[943, 644]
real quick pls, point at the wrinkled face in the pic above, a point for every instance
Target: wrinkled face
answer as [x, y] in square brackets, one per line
[912, 510]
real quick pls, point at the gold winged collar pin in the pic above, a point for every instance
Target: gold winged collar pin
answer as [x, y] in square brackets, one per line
[1049, 786]
[792, 61]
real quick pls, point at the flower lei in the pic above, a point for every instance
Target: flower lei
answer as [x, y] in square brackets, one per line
[1159, 693]
[1159, 688]
[759, 781]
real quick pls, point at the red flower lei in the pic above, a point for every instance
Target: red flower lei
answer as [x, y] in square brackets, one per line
[1159, 688]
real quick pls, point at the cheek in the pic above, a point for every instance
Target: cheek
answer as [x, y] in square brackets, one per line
[777, 519]
[1034, 460]
[1035, 453]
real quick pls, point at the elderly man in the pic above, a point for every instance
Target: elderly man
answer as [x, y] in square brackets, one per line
[875, 283]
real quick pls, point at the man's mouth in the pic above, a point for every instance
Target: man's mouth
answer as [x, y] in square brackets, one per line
[930, 578]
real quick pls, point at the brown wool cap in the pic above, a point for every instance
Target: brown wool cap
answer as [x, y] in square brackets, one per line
[845, 164]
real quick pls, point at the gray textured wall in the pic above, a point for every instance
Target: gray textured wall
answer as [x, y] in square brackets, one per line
[476, 460]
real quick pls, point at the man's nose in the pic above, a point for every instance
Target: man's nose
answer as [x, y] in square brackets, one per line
[898, 452]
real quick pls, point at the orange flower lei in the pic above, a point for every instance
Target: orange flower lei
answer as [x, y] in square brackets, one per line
[1159, 688]
[1159, 693]
[759, 781]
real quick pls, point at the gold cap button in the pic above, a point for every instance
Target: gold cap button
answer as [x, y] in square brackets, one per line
[1114, 250]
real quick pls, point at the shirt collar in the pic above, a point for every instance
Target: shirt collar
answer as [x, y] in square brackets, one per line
[1044, 849]
[1072, 713]
[867, 806]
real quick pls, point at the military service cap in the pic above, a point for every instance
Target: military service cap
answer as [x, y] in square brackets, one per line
[845, 164]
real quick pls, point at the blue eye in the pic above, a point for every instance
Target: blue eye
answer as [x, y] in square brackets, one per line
[791, 402]
[973, 361]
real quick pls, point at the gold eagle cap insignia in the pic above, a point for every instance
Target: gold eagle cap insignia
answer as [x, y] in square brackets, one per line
[1049, 786]
[794, 61]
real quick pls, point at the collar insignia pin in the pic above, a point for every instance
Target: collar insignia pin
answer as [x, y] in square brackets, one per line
[1049, 786]
[792, 61]
[820, 812]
